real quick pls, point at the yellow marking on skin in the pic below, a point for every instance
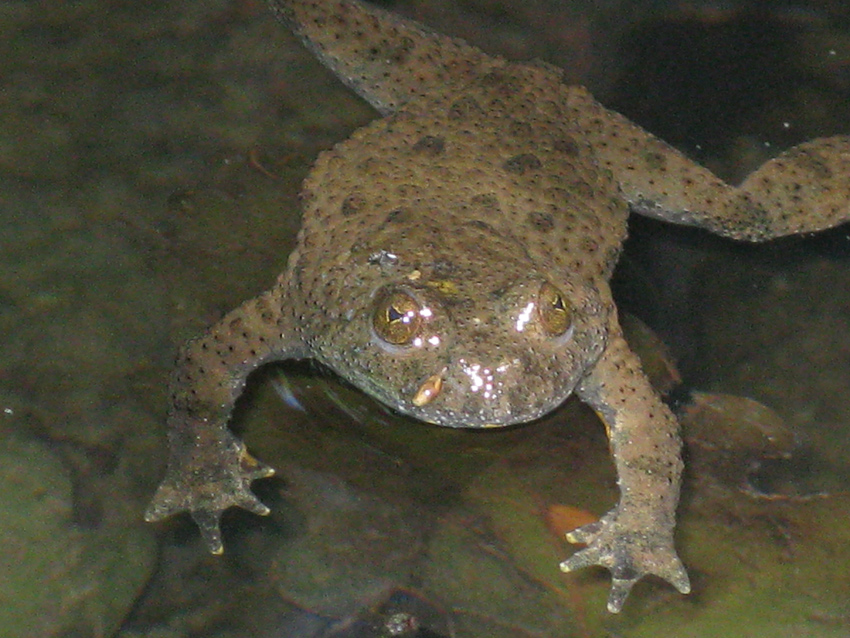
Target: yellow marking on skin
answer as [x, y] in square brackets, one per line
[444, 286]
[604, 422]
[428, 391]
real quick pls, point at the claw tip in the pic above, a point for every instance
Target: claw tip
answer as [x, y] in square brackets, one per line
[683, 587]
[620, 588]
[213, 543]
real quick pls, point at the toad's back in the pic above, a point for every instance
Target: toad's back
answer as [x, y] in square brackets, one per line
[501, 161]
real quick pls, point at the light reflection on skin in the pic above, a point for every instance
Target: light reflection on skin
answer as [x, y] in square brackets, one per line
[424, 313]
[481, 378]
[524, 316]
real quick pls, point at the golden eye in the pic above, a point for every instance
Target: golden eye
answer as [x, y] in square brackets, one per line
[397, 318]
[554, 310]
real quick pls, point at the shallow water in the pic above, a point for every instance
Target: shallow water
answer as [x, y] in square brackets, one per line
[150, 155]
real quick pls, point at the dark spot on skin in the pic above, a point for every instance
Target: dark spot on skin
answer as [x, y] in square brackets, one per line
[655, 162]
[430, 145]
[508, 86]
[496, 105]
[567, 146]
[540, 221]
[589, 245]
[811, 162]
[486, 203]
[497, 293]
[352, 205]
[493, 78]
[397, 216]
[481, 225]
[400, 52]
[521, 129]
[521, 163]
[464, 108]
[581, 188]
[530, 367]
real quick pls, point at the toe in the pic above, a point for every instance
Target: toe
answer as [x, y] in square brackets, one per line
[208, 524]
[584, 558]
[678, 577]
[252, 504]
[165, 502]
[620, 588]
[585, 534]
[252, 468]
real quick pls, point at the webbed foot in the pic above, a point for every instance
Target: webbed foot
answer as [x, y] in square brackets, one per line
[628, 553]
[206, 484]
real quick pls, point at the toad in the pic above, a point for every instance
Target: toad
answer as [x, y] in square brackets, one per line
[454, 263]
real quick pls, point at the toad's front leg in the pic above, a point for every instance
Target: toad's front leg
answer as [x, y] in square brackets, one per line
[209, 468]
[636, 537]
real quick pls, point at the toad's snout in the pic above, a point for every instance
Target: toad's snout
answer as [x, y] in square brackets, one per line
[471, 394]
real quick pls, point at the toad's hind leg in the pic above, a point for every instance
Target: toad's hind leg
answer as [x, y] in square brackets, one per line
[805, 189]
[382, 57]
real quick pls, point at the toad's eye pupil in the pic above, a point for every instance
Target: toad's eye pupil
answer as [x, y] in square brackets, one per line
[397, 317]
